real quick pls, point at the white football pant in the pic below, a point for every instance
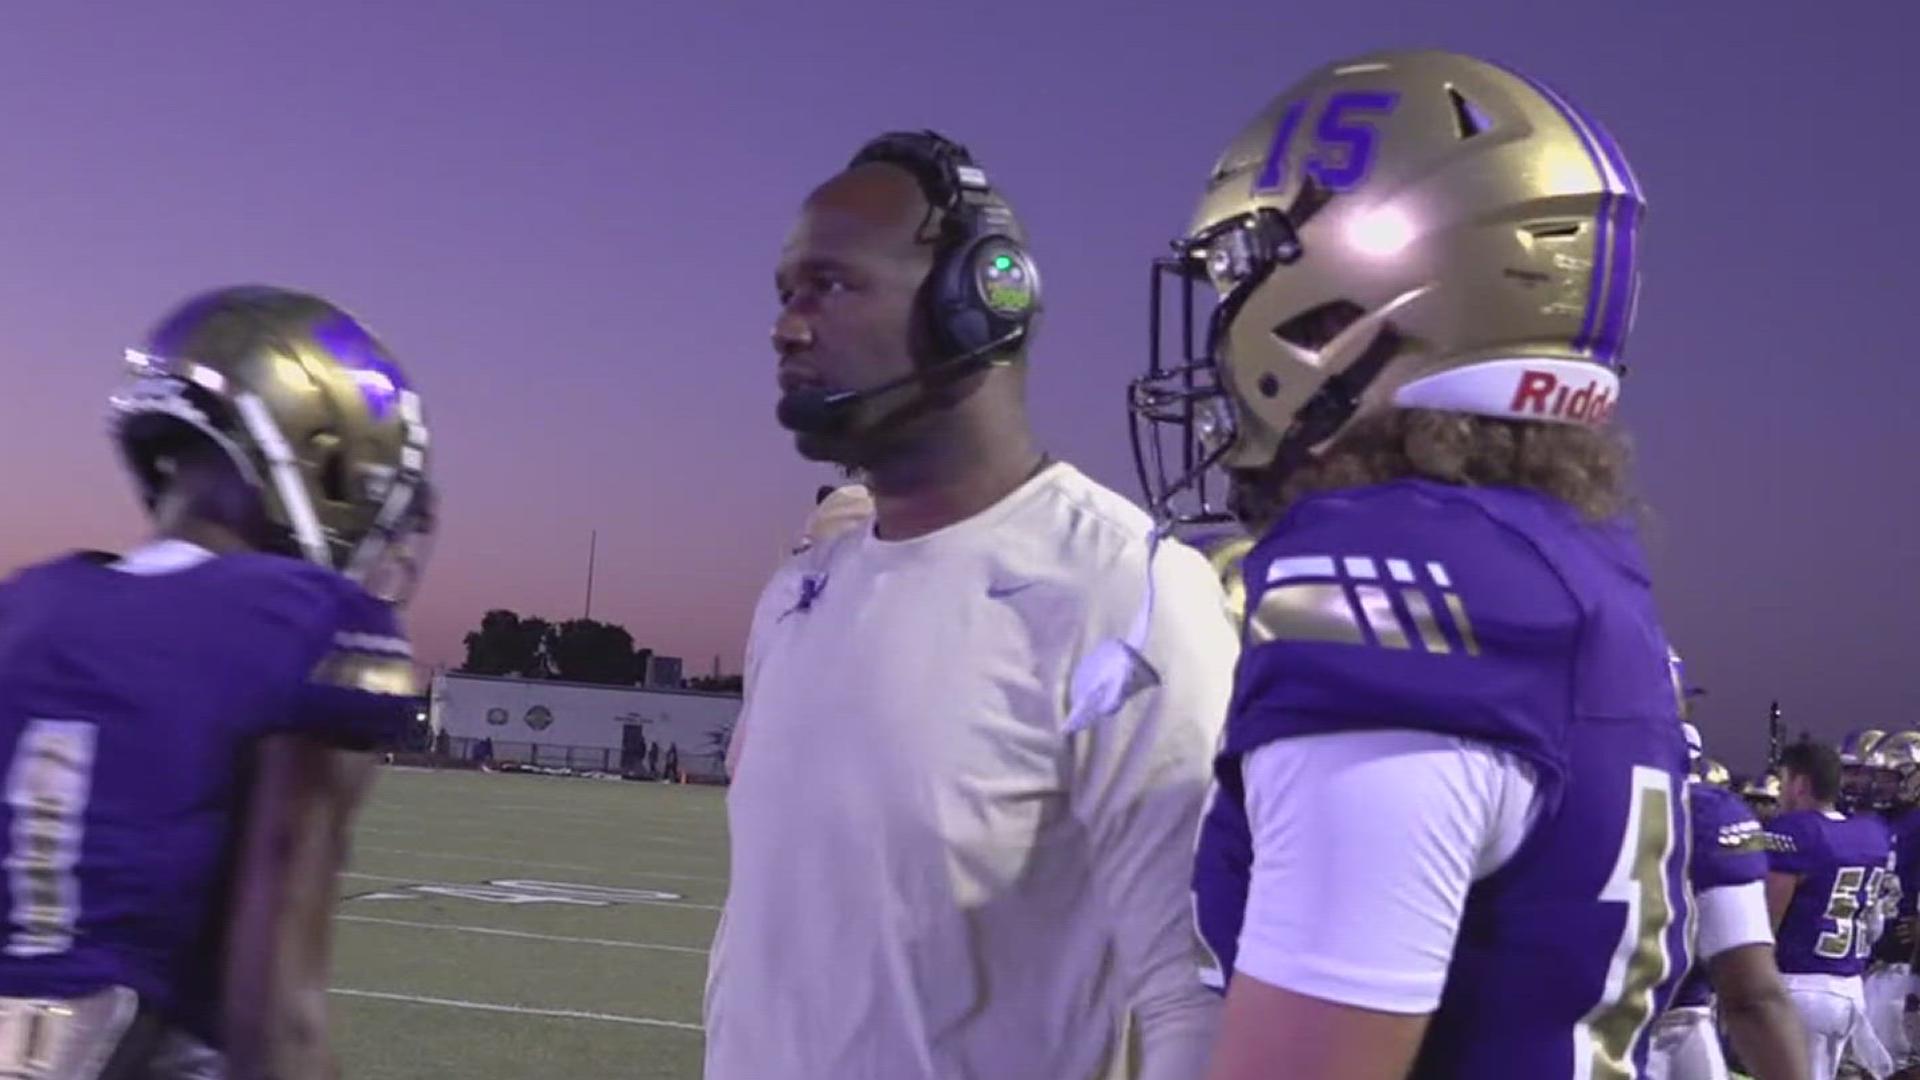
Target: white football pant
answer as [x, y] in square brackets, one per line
[1833, 1010]
[1686, 1047]
[1886, 992]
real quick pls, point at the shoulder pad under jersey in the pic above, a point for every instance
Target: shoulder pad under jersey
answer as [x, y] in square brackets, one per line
[1399, 606]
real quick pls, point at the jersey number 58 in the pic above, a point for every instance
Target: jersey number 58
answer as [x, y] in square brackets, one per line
[1847, 906]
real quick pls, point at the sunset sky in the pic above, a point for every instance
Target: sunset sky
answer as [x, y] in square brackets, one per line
[563, 219]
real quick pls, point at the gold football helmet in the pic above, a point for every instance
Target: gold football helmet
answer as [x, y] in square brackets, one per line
[1900, 750]
[312, 410]
[1714, 773]
[1416, 229]
[1858, 746]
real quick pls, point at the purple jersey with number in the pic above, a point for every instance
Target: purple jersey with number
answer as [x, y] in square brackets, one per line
[1728, 849]
[1497, 616]
[1841, 862]
[127, 706]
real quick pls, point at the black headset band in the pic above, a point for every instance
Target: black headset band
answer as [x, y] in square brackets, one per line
[940, 165]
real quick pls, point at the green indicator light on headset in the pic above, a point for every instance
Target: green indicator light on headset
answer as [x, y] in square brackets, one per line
[1002, 262]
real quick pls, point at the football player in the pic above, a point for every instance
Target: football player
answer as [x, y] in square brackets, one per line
[1825, 876]
[1733, 964]
[1889, 981]
[275, 445]
[1452, 722]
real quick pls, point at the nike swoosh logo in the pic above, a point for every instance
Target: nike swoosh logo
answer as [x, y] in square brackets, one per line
[1001, 592]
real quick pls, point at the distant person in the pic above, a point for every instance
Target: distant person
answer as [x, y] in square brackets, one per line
[1734, 977]
[1826, 873]
[653, 759]
[673, 762]
[835, 511]
[1003, 693]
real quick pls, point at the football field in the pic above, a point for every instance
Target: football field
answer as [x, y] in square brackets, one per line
[514, 926]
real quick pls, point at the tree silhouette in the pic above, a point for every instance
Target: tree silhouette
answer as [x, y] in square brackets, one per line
[590, 651]
[577, 650]
[507, 644]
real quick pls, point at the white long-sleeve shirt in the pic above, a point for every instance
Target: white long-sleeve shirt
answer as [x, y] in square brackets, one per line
[931, 876]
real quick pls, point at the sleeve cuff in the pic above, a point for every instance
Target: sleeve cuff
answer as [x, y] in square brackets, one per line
[1732, 916]
[1382, 991]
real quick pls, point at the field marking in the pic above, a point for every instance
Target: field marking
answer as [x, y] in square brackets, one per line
[521, 1010]
[418, 881]
[542, 865]
[568, 811]
[495, 932]
[653, 837]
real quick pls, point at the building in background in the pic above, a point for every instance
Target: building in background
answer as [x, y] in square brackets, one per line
[665, 672]
[582, 726]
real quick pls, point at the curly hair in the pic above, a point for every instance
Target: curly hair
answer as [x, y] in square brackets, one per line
[1586, 468]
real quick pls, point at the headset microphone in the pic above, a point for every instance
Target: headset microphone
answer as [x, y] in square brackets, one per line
[826, 412]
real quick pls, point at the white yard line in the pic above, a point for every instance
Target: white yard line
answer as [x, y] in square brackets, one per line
[428, 881]
[543, 865]
[521, 1010]
[679, 841]
[494, 932]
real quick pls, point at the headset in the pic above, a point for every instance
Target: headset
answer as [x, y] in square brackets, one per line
[980, 300]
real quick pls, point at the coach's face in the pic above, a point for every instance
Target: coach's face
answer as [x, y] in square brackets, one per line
[847, 280]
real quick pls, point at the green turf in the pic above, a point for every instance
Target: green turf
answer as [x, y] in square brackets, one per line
[640, 971]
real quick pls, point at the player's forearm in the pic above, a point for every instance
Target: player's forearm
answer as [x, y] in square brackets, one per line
[251, 970]
[1267, 1033]
[1765, 1030]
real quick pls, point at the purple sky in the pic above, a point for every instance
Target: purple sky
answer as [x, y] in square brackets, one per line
[563, 218]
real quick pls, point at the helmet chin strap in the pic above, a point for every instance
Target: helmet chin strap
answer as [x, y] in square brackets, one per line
[1321, 418]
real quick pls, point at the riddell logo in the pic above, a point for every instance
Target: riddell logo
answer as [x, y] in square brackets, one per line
[1541, 393]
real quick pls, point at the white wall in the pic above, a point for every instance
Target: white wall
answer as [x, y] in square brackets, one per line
[581, 715]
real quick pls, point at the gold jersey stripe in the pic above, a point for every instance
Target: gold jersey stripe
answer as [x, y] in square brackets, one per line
[1307, 611]
[371, 674]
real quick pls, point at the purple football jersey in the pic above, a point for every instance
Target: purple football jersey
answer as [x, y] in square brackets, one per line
[1499, 616]
[1905, 827]
[1842, 865]
[1729, 848]
[127, 706]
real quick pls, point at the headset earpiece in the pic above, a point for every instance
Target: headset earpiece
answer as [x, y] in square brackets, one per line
[984, 287]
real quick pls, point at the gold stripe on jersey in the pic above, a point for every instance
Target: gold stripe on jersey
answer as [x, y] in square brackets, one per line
[389, 675]
[1424, 622]
[1306, 611]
